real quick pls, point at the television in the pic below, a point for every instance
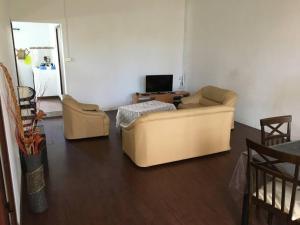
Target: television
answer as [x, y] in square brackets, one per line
[159, 83]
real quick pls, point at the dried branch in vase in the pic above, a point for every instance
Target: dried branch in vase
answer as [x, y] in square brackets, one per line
[28, 141]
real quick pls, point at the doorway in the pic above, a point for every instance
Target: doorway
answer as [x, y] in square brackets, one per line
[39, 62]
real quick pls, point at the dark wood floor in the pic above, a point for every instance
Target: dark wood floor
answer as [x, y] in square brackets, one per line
[91, 182]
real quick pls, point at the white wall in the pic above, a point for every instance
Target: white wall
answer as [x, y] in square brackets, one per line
[32, 35]
[252, 47]
[114, 43]
[6, 57]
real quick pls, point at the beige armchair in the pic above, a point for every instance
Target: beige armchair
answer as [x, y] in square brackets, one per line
[83, 120]
[210, 96]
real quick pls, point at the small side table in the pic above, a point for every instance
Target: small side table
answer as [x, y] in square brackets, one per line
[167, 97]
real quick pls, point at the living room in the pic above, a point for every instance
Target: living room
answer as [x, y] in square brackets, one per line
[248, 47]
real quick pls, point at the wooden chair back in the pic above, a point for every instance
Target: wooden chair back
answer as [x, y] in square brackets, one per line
[276, 135]
[260, 171]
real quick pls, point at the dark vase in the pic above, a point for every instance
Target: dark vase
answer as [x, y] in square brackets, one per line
[43, 147]
[36, 188]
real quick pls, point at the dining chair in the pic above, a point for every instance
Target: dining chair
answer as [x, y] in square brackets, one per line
[271, 188]
[275, 130]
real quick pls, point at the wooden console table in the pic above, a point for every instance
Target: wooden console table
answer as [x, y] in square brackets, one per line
[169, 97]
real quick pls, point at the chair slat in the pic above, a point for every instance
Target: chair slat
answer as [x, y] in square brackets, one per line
[256, 181]
[273, 191]
[283, 195]
[265, 186]
[292, 205]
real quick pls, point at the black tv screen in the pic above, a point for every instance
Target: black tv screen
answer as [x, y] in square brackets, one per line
[159, 83]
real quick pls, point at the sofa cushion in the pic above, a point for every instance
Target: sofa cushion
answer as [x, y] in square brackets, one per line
[189, 106]
[214, 94]
[207, 102]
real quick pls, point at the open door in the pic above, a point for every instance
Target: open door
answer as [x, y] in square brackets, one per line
[7, 202]
[15, 56]
[60, 57]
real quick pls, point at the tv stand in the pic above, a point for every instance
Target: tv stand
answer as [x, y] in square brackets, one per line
[163, 93]
[169, 97]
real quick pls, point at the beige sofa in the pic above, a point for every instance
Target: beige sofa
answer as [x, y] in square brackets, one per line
[210, 96]
[83, 120]
[163, 137]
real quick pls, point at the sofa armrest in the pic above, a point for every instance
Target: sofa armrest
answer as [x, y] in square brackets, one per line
[193, 99]
[128, 127]
[230, 99]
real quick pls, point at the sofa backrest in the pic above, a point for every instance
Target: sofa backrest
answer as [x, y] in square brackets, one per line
[71, 102]
[193, 112]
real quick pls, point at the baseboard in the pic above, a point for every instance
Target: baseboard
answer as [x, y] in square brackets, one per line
[55, 114]
[48, 97]
[246, 125]
[110, 108]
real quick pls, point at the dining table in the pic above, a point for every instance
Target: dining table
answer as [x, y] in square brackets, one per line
[238, 181]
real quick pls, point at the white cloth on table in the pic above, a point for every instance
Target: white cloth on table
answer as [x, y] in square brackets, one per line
[129, 113]
[238, 181]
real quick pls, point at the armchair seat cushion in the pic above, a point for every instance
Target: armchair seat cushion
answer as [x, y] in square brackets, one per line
[89, 107]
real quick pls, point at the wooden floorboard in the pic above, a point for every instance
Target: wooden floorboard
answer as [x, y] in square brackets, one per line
[91, 182]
